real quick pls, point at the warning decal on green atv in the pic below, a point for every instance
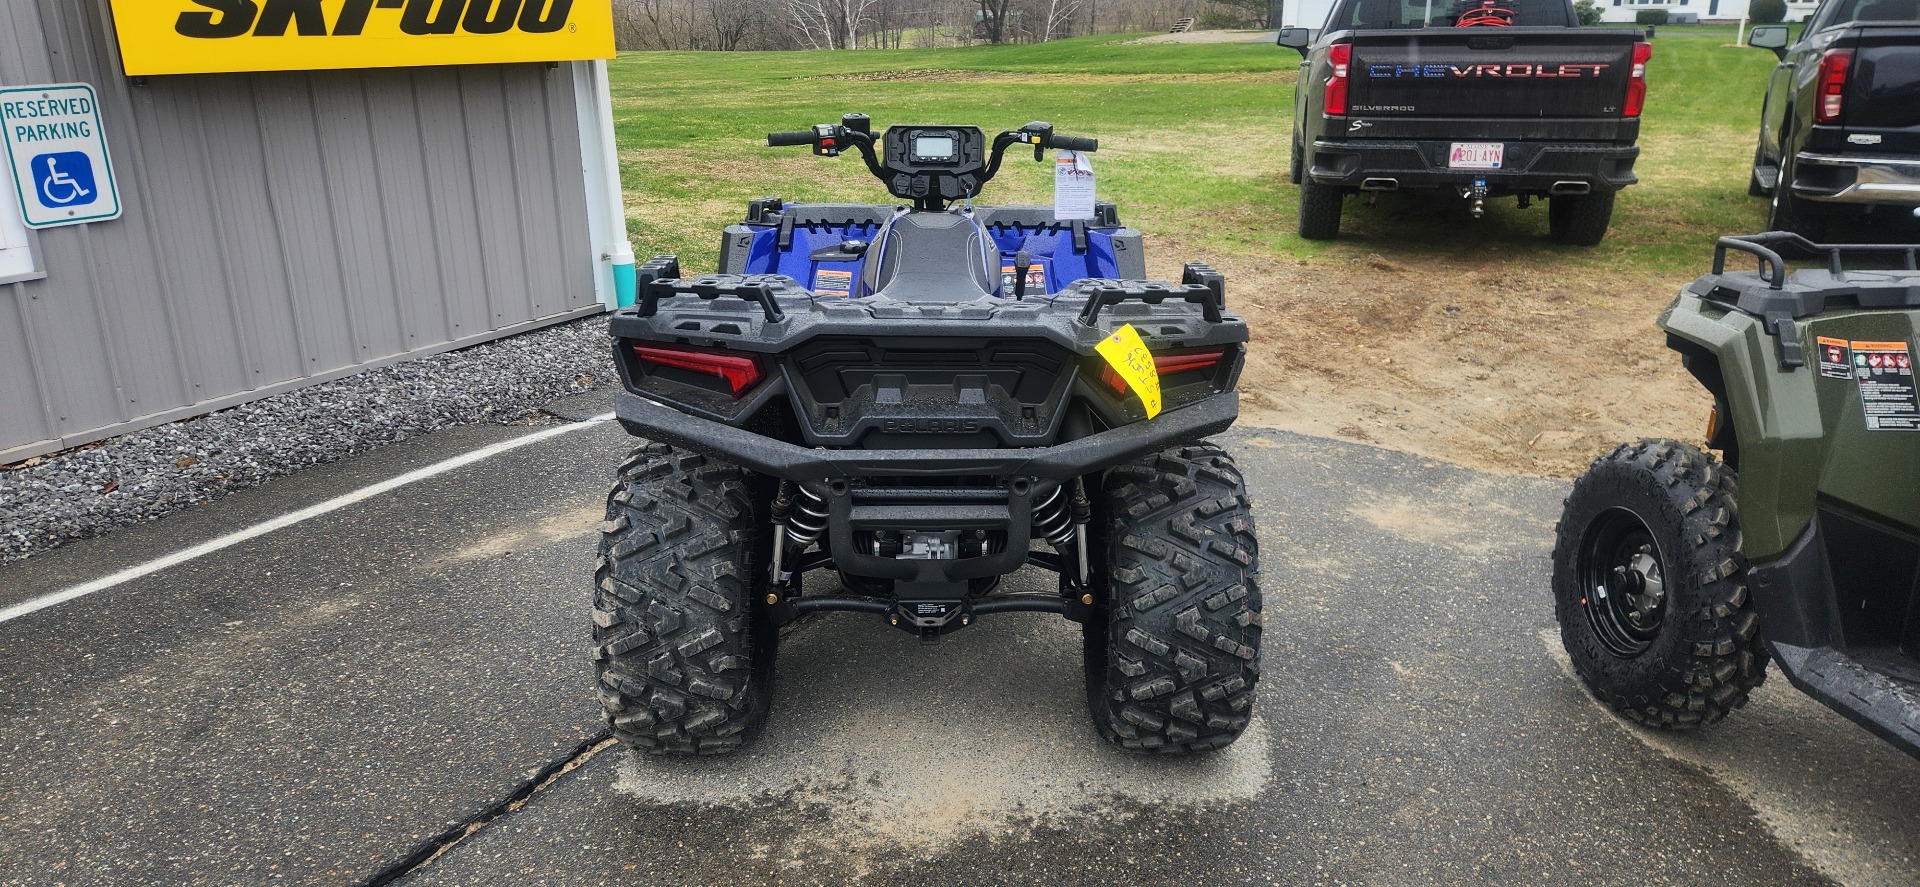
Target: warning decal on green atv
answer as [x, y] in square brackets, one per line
[1836, 361]
[1887, 394]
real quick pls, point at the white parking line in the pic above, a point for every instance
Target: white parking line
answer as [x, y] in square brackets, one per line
[284, 521]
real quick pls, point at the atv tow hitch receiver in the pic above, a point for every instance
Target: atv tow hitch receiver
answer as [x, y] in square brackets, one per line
[890, 409]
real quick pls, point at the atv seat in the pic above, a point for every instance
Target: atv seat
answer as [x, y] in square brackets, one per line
[931, 257]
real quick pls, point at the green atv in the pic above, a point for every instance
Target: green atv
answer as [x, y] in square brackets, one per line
[1673, 582]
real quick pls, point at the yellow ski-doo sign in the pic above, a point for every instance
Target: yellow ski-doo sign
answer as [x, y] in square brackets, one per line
[208, 36]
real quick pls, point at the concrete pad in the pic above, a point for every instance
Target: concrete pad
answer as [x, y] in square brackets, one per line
[1412, 730]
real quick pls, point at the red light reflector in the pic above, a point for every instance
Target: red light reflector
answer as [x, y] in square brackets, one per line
[738, 371]
[1834, 68]
[1340, 55]
[1166, 363]
[1637, 83]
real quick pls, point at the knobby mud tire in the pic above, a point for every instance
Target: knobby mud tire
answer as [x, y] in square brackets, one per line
[1174, 651]
[683, 653]
[1708, 655]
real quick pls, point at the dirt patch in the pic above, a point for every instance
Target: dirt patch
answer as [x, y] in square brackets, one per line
[554, 526]
[1479, 360]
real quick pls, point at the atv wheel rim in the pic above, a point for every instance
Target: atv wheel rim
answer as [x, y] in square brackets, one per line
[1623, 583]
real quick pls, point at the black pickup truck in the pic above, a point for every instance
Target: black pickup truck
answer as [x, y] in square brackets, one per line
[1473, 99]
[1841, 128]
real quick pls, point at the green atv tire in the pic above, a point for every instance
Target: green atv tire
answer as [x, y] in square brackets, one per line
[1650, 587]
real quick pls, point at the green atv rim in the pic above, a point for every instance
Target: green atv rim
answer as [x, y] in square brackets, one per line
[1623, 582]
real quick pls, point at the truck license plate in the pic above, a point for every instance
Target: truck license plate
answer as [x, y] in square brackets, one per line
[1477, 155]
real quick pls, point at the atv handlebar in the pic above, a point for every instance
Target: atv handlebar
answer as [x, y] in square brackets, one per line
[830, 140]
[1075, 143]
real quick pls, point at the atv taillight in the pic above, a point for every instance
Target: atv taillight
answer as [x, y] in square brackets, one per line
[1832, 87]
[1340, 55]
[740, 372]
[1167, 363]
[1637, 83]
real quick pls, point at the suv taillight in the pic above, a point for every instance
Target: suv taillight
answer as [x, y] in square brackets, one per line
[1637, 83]
[1834, 67]
[1340, 55]
[738, 372]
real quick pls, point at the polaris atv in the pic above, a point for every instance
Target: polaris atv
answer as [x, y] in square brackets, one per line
[920, 399]
[1673, 583]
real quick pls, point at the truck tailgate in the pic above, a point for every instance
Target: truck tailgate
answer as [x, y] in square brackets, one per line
[1884, 92]
[1514, 73]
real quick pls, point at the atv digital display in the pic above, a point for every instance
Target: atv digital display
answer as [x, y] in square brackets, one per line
[934, 148]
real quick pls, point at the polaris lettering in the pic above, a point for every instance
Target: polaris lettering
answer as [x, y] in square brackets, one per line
[1517, 71]
[209, 36]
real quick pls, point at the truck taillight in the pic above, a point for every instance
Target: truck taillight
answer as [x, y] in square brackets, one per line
[1637, 84]
[739, 372]
[1340, 55]
[1834, 67]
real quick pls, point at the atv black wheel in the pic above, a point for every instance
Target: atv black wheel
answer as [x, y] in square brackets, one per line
[1582, 219]
[1320, 209]
[683, 651]
[1650, 587]
[1173, 650]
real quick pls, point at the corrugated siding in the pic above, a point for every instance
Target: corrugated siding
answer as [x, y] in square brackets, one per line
[280, 229]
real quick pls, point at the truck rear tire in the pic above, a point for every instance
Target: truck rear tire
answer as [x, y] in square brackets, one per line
[1790, 213]
[1173, 649]
[1581, 219]
[1650, 587]
[1320, 209]
[683, 653]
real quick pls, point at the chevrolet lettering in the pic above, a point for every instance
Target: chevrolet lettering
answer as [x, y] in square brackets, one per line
[1520, 70]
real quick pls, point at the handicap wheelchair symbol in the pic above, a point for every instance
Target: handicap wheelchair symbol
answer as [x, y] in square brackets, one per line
[64, 179]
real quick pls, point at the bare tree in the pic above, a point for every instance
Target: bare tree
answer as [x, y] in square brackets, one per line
[1059, 18]
[993, 20]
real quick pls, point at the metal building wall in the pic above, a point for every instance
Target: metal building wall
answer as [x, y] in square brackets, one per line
[283, 229]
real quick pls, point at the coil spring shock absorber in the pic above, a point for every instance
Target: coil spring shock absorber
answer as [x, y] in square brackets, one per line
[1051, 521]
[799, 517]
[1062, 520]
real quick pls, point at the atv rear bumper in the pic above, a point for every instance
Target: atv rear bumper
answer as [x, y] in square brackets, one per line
[1808, 615]
[646, 419]
[935, 502]
[1528, 167]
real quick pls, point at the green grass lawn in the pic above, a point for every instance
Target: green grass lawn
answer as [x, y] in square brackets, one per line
[1193, 145]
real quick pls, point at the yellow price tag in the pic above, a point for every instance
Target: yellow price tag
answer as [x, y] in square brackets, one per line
[1129, 357]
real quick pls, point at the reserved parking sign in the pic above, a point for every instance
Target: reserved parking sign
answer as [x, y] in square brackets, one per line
[58, 153]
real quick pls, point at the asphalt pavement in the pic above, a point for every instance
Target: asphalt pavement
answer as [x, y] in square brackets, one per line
[339, 701]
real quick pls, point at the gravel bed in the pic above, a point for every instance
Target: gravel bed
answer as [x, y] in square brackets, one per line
[140, 476]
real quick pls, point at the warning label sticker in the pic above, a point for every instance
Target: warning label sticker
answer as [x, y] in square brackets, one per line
[833, 283]
[1888, 397]
[1036, 278]
[1836, 358]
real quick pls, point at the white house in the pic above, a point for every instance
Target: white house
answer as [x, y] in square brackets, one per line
[1700, 10]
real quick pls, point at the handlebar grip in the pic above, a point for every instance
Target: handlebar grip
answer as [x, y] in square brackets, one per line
[1075, 143]
[784, 139]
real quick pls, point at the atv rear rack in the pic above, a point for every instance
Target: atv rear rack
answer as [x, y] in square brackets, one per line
[1779, 298]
